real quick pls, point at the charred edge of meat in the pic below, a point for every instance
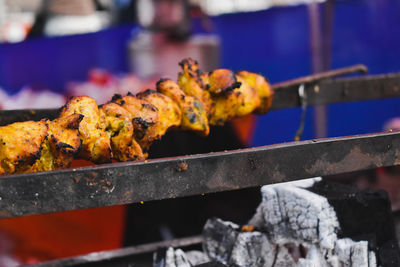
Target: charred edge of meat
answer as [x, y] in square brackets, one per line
[234, 85]
[187, 61]
[129, 94]
[146, 93]
[64, 147]
[78, 150]
[140, 127]
[75, 124]
[161, 81]
[138, 120]
[150, 106]
[34, 156]
[192, 117]
[228, 90]
[116, 97]
[20, 160]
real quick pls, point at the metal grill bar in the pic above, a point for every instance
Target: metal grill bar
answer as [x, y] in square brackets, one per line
[97, 257]
[339, 91]
[133, 182]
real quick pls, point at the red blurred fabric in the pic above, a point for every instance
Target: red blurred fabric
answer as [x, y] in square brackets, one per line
[65, 234]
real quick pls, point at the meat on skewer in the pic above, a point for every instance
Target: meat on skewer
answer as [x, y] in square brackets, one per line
[125, 128]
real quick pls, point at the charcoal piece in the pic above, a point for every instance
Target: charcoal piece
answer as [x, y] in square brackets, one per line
[363, 215]
[283, 258]
[290, 214]
[351, 253]
[219, 239]
[159, 257]
[196, 257]
[170, 258]
[252, 249]
[316, 258]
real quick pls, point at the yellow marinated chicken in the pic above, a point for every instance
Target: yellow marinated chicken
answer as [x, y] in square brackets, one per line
[263, 88]
[190, 82]
[125, 128]
[120, 130]
[61, 145]
[96, 145]
[234, 103]
[144, 116]
[220, 81]
[194, 117]
[169, 114]
[20, 145]
[231, 95]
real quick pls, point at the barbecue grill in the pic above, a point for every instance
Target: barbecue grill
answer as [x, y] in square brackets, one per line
[166, 178]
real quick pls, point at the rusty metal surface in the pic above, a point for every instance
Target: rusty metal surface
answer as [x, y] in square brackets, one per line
[340, 90]
[134, 182]
[111, 258]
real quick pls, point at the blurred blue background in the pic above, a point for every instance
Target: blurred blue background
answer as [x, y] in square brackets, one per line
[275, 42]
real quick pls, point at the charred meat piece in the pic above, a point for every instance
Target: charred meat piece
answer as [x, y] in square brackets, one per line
[120, 130]
[220, 81]
[194, 116]
[61, 145]
[145, 119]
[191, 83]
[96, 145]
[233, 103]
[169, 113]
[263, 88]
[20, 145]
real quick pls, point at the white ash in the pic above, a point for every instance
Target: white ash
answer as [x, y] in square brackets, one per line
[176, 258]
[352, 253]
[219, 239]
[179, 258]
[290, 213]
[252, 249]
[245, 248]
[196, 257]
[315, 258]
[283, 258]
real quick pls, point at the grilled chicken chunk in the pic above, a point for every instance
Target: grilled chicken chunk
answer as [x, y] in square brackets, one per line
[125, 128]
[233, 103]
[194, 116]
[263, 88]
[21, 145]
[120, 130]
[145, 119]
[191, 83]
[168, 111]
[96, 145]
